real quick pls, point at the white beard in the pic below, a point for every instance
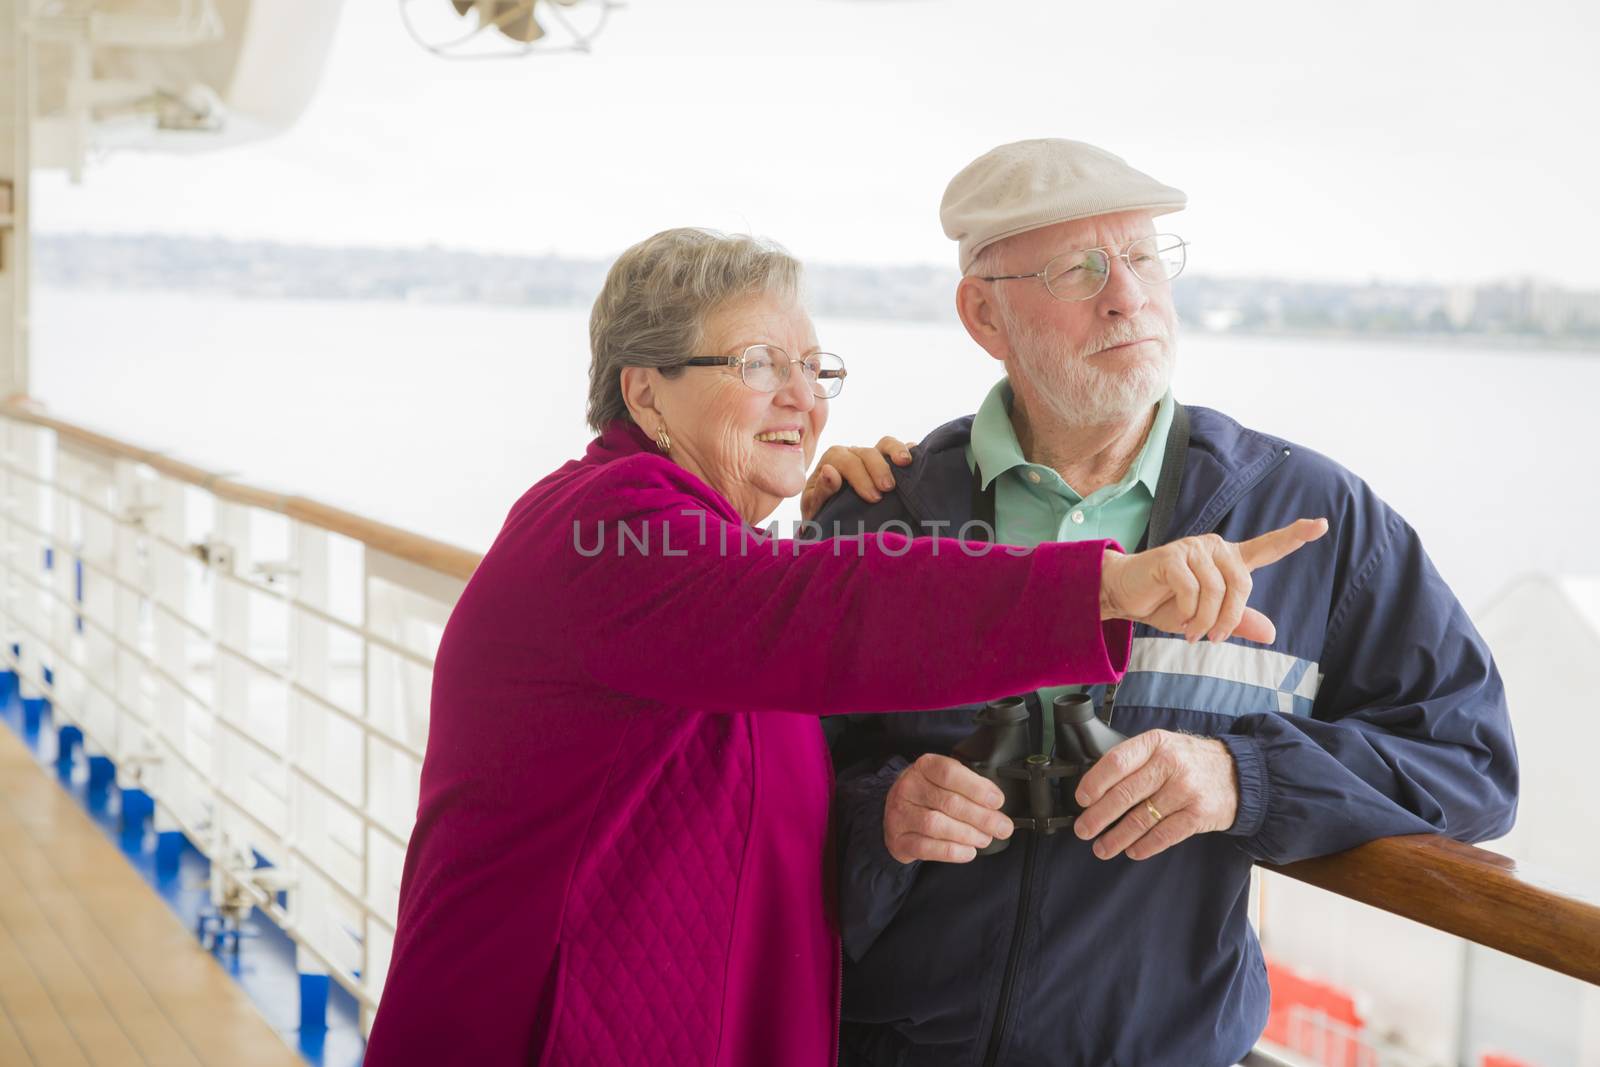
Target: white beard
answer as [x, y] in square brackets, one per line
[1065, 378]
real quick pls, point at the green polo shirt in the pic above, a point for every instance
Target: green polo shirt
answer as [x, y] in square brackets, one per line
[1033, 504]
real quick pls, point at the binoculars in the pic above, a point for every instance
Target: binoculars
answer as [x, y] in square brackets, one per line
[1038, 789]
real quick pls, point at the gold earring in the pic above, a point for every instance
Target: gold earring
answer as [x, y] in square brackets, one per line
[663, 440]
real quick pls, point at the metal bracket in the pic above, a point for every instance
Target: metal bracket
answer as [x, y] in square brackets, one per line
[273, 571]
[135, 763]
[134, 514]
[217, 555]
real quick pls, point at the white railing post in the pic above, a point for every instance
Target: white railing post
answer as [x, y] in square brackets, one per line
[84, 652]
[8, 537]
[29, 562]
[229, 768]
[140, 768]
[306, 739]
[62, 555]
[184, 801]
[373, 982]
[16, 550]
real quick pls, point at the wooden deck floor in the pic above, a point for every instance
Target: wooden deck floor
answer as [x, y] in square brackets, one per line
[94, 968]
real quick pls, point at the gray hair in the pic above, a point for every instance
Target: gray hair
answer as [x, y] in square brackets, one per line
[652, 310]
[987, 261]
[987, 264]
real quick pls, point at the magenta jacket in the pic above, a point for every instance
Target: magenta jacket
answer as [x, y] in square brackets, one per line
[622, 853]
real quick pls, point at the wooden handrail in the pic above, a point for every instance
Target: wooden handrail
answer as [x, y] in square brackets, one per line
[423, 551]
[1470, 892]
[1467, 891]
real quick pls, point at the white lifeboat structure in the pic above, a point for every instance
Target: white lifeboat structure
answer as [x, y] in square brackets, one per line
[170, 75]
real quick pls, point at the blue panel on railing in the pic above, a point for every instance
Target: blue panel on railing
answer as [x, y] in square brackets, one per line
[135, 811]
[170, 846]
[33, 713]
[68, 740]
[102, 772]
[313, 1003]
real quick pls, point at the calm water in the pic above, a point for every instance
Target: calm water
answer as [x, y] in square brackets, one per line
[436, 418]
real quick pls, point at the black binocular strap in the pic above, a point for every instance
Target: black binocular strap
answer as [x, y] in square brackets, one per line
[1172, 464]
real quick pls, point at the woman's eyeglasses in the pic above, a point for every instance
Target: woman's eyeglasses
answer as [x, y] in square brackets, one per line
[766, 369]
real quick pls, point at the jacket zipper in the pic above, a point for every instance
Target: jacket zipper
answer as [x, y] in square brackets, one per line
[838, 1005]
[997, 1034]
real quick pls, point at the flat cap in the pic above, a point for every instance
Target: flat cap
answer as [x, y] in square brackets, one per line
[1028, 184]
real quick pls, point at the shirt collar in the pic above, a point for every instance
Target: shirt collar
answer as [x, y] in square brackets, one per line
[994, 439]
[996, 449]
[1154, 452]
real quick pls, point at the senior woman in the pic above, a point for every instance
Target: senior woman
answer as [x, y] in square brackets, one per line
[621, 853]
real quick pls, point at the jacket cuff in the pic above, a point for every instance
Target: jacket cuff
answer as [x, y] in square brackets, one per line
[1099, 648]
[873, 883]
[1251, 767]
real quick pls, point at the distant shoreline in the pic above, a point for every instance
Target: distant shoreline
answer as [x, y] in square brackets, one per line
[1523, 314]
[1530, 343]
[1577, 346]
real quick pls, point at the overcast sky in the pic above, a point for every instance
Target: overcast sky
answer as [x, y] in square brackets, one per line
[1404, 141]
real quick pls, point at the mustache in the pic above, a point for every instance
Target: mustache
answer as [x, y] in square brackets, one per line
[1126, 331]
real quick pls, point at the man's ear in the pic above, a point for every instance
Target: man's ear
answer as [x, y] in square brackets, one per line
[639, 393]
[981, 316]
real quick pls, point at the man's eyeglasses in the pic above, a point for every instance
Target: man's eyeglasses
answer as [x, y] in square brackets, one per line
[1080, 275]
[766, 368]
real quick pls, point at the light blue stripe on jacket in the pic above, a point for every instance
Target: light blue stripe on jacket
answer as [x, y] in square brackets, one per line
[1228, 678]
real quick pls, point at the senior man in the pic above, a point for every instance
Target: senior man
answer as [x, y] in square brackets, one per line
[1377, 710]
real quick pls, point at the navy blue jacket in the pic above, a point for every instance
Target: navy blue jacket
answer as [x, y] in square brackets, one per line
[1378, 711]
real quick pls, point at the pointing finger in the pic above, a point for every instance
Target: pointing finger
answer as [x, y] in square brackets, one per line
[1271, 547]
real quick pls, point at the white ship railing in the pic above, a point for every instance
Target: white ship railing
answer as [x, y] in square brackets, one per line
[260, 665]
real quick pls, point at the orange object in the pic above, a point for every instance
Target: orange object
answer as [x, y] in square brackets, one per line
[1317, 1019]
